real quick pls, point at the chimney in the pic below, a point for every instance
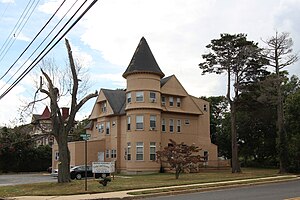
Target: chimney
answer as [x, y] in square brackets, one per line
[65, 112]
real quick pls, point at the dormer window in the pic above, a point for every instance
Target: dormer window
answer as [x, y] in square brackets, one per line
[139, 96]
[152, 97]
[128, 97]
[103, 107]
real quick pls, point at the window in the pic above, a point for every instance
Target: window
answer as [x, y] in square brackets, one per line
[113, 153]
[205, 107]
[107, 153]
[163, 100]
[103, 107]
[163, 125]
[178, 125]
[56, 155]
[107, 128]
[187, 122]
[171, 101]
[113, 123]
[152, 151]
[152, 97]
[101, 128]
[128, 97]
[152, 122]
[139, 122]
[139, 96]
[128, 123]
[178, 102]
[171, 125]
[139, 151]
[128, 151]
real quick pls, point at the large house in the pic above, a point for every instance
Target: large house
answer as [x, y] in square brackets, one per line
[129, 126]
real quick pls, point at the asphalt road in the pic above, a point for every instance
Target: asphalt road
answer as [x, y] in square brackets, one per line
[15, 179]
[274, 191]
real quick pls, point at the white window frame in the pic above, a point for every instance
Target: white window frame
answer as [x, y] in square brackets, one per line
[163, 100]
[152, 122]
[139, 151]
[104, 107]
[128, 97]
[152, 97]
[152, 152]
[128, 123]
[113, 153]
[163, 125]
[178, 129]
[139, 96]
[178, 102]
[128, 151]
[107, 132]
[171, 101]
[139, 121]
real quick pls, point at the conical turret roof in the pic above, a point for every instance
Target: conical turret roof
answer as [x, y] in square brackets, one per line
[143, 61]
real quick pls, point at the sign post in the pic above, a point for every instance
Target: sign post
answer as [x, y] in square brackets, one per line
[85, 137]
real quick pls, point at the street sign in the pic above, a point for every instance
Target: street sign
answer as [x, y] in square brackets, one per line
[85, 136]
[103, 167]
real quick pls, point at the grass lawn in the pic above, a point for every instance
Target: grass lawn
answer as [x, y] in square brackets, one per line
[127, 182]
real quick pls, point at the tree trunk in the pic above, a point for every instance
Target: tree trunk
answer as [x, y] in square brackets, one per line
[64, 158]
[282, 144]
[235, 168]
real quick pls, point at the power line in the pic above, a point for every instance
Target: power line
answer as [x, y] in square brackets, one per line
[17, 25]
[38, 58]
[33, 41]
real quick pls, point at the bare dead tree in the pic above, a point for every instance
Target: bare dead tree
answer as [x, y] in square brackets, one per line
[62, 127]
[280, 54]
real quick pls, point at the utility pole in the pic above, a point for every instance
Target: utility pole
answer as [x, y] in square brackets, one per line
[85, 137]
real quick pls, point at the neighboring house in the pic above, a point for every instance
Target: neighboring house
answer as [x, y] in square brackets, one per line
[42, 125]
[129, 126]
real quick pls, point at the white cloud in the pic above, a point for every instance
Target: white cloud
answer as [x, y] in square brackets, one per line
[7, 1]
[23, 37]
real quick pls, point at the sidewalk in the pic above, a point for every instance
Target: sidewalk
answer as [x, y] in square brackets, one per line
[125, 195]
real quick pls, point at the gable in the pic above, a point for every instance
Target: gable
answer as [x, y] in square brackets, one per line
[170, 86]
[115, 100]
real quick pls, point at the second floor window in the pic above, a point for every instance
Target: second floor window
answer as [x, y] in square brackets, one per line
[163, 100]
[101, 128]
[178, 102]
[139, 122]
[152, 97]
[107, 153]
[152, 122]
[107, 128]
[171, 101]
[163, 125]
[139, 97]
[128, 123]
[128, 97]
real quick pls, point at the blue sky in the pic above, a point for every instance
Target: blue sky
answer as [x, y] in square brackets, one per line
[177, 32]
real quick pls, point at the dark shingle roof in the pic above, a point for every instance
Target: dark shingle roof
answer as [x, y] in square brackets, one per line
[116, 99]
[143, 61]
[164, 80]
